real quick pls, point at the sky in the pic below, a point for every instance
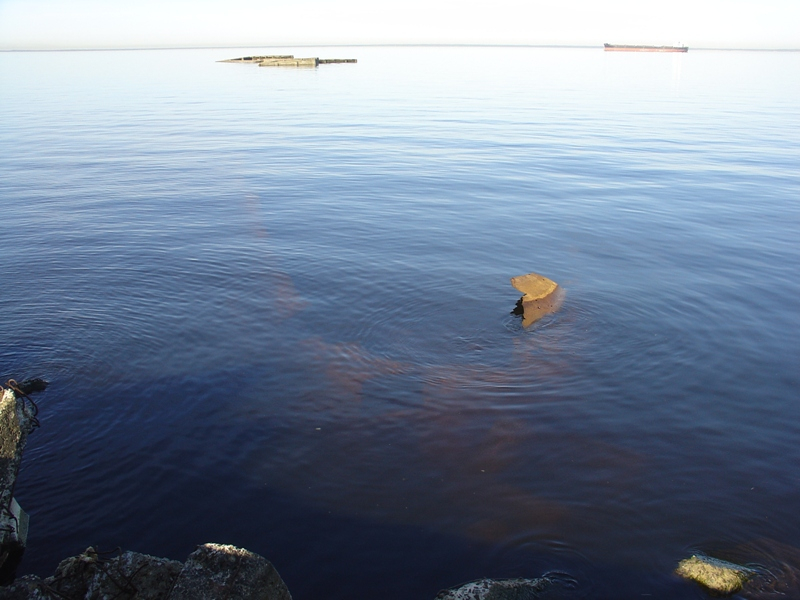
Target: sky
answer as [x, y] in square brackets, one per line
[73, 24]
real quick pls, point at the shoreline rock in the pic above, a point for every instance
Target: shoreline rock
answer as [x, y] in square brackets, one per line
[17, 420]
[210, 572]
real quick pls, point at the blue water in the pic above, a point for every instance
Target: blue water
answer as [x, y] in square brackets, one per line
[274, 309]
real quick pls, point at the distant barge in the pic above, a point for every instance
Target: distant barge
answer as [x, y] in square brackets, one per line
[625, 48]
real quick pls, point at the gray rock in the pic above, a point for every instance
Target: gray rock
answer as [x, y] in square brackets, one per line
[135, 575]
[90, 576]
[29, 587]
[497, 589]
[213, 571]
[218, 571]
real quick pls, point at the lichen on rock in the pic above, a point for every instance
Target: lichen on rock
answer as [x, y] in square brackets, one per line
[719, 576]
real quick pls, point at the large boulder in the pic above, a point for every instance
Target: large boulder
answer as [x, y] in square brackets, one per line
[218, 571]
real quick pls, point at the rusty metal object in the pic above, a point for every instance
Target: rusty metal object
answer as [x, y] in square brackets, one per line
[541, 296]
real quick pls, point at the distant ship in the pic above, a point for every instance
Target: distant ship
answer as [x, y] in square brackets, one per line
[625, 48]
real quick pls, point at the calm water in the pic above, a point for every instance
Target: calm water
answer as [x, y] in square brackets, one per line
[273, 305]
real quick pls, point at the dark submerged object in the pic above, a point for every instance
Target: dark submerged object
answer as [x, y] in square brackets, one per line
[29, 386]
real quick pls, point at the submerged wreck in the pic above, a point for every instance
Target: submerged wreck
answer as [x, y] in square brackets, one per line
[635, 48]
[287, 60]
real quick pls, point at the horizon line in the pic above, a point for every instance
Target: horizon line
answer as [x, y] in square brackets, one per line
[361, 45]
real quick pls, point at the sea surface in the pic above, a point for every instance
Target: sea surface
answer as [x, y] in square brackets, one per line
[273, 306]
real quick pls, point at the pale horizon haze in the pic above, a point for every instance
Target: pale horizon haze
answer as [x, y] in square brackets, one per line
[94, 24]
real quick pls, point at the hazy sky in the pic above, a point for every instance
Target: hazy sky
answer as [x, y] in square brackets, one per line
[38, 24]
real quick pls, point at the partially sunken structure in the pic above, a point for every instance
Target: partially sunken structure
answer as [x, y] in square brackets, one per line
[287, 60]
[634, 48]
[541, 296]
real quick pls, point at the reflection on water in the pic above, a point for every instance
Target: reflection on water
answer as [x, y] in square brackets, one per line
[348, 366]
